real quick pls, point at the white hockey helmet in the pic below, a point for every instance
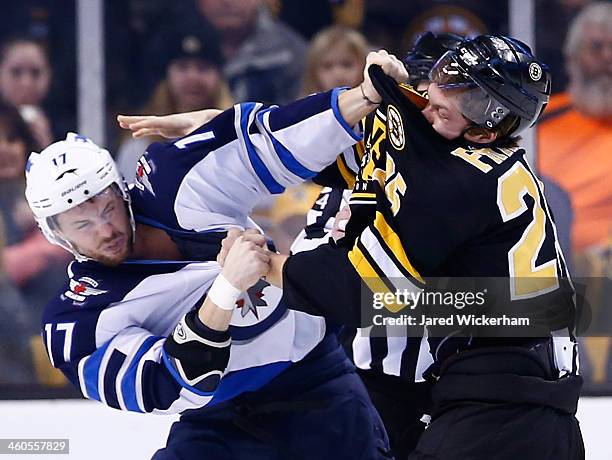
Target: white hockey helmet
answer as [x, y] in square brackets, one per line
[66, 174]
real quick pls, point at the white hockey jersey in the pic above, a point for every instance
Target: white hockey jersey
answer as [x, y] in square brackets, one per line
[107, 327]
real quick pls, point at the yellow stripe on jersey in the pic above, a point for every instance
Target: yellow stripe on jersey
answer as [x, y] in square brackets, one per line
[347, 175]
[371, 278]
[363, 195]
[393, 242]
[360, 150]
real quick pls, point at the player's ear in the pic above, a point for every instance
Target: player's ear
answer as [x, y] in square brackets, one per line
[480, 135]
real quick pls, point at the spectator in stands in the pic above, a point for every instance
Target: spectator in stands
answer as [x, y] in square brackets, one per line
[336, 57]
[25, 76]
[263, 56]
[193, 80]
[575, 141]
[30, 262]
[575, 136]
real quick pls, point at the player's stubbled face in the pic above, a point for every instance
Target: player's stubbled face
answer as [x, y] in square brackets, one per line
[442, 113]
[99, 228]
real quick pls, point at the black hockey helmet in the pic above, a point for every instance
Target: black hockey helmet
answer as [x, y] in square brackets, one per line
[427, 49]
[501, 77]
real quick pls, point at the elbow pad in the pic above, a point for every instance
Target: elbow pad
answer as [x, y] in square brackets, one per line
[197, 353]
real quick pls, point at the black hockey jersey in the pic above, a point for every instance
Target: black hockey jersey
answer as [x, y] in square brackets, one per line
[426, 207]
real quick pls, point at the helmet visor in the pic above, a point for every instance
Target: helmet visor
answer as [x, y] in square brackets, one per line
[471, 100]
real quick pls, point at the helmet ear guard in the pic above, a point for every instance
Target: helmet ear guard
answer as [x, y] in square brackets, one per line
[66, 174]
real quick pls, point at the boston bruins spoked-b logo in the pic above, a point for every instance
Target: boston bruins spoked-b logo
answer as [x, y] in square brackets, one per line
[535, 71]
[395, 128]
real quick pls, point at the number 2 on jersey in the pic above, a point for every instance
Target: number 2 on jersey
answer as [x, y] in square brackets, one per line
[526, 279]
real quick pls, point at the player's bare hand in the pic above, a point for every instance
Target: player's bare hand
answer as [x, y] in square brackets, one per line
[246, 262]
[339, 228]
[232, 235]
[390, 65]
[168, 126]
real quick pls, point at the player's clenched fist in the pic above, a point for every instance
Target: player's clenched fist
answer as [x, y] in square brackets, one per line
[246, 261]
[232, 234]
[390, 65]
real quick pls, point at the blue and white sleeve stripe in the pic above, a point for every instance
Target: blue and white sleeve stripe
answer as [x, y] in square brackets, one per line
[288, 145]
[130, 391]
[127, 373]
[284, 155]
[357, 136]
[245, 114]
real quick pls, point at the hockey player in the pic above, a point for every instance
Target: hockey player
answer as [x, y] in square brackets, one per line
[444, 191]
[148, 323]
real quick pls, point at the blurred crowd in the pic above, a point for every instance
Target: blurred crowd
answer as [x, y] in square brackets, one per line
[163, 57]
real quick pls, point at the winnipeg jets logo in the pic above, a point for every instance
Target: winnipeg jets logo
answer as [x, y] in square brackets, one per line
[83, 288]
[253, 300]
[395, 128]
[143, 169]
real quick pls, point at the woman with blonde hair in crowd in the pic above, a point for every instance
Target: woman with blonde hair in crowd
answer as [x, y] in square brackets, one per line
[336, 57]
[192, 62]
